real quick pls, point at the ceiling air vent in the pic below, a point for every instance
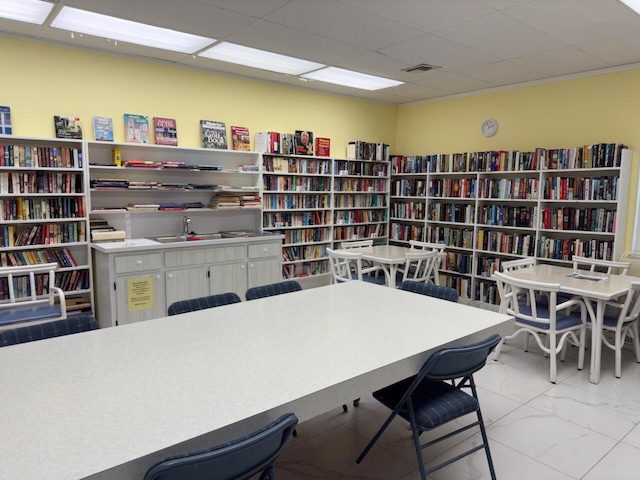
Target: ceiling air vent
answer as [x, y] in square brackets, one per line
[421, 67]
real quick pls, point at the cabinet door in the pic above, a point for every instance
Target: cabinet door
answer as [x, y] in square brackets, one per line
[140, 297]
[229, 277]
[185, 284]
[264, 272]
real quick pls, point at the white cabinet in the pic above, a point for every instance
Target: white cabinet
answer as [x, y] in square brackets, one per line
[135, 285]
[43, 212]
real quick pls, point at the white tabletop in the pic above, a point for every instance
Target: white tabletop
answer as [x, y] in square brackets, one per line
[390, 254]
[607, 286]
[106, 404]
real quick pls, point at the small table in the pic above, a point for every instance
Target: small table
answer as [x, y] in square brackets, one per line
[389, 257]
[591, 286]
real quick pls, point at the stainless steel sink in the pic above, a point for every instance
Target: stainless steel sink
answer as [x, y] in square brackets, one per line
[190, 238]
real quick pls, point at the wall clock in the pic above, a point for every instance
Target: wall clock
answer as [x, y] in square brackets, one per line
[489, 127]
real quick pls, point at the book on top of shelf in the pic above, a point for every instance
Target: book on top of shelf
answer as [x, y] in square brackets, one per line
[5, 121]
[166, 131]
[303, 142]
[240, 139]
[136, 128]
[323, 147]
[287, 146]
[103, 128]
[67, 127]
[214, 134]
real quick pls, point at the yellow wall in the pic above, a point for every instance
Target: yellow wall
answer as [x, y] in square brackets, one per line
[40, 81]
[565, 114]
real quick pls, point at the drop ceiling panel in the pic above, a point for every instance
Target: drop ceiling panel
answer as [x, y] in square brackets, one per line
[341, 22]
[561, 62]
[254, 8]
[503, 73]
[616, 51]
[451, 82]
[501, 36]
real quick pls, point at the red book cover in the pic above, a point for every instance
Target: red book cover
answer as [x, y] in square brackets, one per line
[240, 139]
[323, 147]
[165, 131]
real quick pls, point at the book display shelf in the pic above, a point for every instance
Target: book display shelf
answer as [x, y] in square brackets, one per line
[146, 190]
[319, 202]
[43, 207]
[490, 207]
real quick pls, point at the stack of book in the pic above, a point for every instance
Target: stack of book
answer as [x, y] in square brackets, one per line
[199, 186]
[141, 164]
[228, 201]
[143, 206]
[251, 201]
[109, 183]
[143, 185]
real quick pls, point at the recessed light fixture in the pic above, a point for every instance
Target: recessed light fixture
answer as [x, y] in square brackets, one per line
[347, 78]
[31, 11]
[252, 57]
[99, 25]
[632, 4]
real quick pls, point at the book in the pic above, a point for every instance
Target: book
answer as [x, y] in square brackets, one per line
[287, 146]
[166, 131]
[136, 128]
[267, 142]
[214, 134]
[103, 128]
[5, 121]
[303, 142]
[240, 138]
[67, 127]
[323, 147]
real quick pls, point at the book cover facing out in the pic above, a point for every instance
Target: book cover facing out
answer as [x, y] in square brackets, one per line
[304, 142]
[165, 131]
[136, 128]
[323, 147]
[103, 128]
[214, 134]
[5, 121]
[67, 127]
[240, 138]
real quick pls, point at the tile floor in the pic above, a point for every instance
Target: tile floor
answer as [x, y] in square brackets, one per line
[537, 430]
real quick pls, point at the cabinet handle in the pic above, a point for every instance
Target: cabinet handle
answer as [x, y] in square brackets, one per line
[170, 275]
[241, 267]
[251, 265]
[139, 263]
[265, 249]
[157, 277]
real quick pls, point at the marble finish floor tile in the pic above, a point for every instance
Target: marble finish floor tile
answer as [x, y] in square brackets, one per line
[621, 463]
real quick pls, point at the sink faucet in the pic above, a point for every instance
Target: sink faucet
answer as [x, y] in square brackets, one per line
[186, 221]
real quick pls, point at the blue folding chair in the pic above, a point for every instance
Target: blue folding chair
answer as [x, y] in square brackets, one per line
[236, 460]
[57, 328]
[273, 289]
[430, 290]
[201, 303]
[434, 397]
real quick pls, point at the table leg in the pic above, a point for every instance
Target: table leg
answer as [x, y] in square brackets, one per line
[597, 319]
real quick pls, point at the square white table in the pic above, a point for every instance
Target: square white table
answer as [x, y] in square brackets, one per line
[108, 403]
[607, 288]
[389, 257]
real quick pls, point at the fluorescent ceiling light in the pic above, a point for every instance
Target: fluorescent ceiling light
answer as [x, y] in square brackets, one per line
[632, 4]
[252, 57]
[32, 11]
[80, 21]
[340, 76]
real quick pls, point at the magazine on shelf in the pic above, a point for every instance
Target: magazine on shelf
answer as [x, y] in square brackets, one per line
[136, 128]
[165, 131]
[240, 138]
[103, 128]
[214, 134]
[67, 127]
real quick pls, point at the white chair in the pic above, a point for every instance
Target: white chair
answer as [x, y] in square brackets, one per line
[606, 266]
[345, 266]
[420, 266]
[537, 319]
[434, 247]
[356, 244]
[511, 265]
[622, 319]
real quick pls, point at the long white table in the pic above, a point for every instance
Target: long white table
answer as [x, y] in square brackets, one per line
[607, 288]
[106, 404]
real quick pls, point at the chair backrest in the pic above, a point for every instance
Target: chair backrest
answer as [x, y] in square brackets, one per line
[421, 266]
[236, 460]
[57, 328]
[273, 289]
[439, 247]
[356, 244]
[201, 303]
[518, 298]
[32, 284]
[437, 291]
[631, 306]
[510, 265]
[345, 265]
[607, 266]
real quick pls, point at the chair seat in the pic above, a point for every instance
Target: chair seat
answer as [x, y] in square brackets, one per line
[27, 314]
[435, 403]
[563, 321]
[381, 280]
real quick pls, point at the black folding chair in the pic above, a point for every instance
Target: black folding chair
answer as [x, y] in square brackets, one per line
[201, 303]
[273, 289]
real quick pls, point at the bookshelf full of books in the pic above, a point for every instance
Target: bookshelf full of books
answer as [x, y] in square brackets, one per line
[43, 207]
[361, 200]
[490, 207]
[147, 190]
[297, 203]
